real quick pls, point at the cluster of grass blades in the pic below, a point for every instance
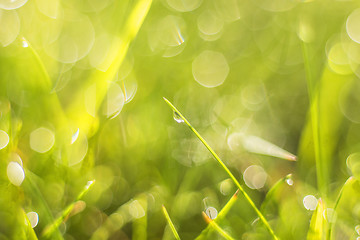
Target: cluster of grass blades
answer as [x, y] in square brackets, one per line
[225, 168]
[323, 218]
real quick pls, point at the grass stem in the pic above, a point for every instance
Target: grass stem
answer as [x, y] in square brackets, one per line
[247, 197]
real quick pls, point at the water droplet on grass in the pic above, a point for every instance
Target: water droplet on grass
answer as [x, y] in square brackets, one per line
[75, 136]
[289, 182]
[177, 118]
[24, 43]
[15, 173]
[33, 218]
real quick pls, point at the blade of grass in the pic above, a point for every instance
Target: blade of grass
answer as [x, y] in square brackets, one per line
[273, 190]
[314, 98]
[168, 219]
[247, 197]
[30, 233]
[222, 214]
[32, 189]
[316, 229]
[115, 58]
[350, 180]
[217, 228]
[48, 231]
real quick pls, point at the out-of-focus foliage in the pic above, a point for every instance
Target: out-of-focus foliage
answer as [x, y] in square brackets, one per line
[271, 85]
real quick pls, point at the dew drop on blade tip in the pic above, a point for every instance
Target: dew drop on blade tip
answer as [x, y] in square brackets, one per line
[177, 118]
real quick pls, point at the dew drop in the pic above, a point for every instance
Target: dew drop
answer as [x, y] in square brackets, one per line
[211, 212]
[33, 218]
[289, 180]
[178, 118]
[24, 43]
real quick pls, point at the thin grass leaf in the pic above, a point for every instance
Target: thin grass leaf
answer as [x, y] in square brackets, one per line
[348, 182]
[48, 231]
[216, 227]
[32, 189]
[313, 92]
[168, 219]
[273, 190]
[118, 50]
[317, 223]
[247, 197]
[30, 233]
[222, 214]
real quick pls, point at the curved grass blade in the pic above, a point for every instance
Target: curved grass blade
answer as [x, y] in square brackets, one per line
[222, 214]
[32, 189]
[30, 233]
[247, 197]
[317, 223]
[217, 228]
[275, 188]
[48, 231]
[168, 219]
[349, 181]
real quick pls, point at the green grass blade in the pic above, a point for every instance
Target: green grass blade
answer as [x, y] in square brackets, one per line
[348, 182]
[222, 214]
[247, 197]
[30, 233]
[168, 219]
[275, 188]
[317, 223]
[217, 228]
[314, 98]
[48, 231]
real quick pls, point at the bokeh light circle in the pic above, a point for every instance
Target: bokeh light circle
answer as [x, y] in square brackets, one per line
[210, 68]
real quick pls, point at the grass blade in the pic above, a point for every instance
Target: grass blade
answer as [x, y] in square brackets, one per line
[66, 212]
[274, 189]
[173, 229]
[224, 211]
[314, 99]
[348, 182]
[247, 197]
[316, 229]
[215, 226]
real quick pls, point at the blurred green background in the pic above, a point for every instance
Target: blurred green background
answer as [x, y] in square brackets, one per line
[81, 99]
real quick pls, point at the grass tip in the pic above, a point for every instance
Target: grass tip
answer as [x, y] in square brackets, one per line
[206, 217]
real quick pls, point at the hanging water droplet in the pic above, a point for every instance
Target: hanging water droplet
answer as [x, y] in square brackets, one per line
[24, 43]
[177, 118]
[289, 180]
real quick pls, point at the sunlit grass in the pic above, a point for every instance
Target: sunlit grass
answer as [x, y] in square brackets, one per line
[247, 197]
